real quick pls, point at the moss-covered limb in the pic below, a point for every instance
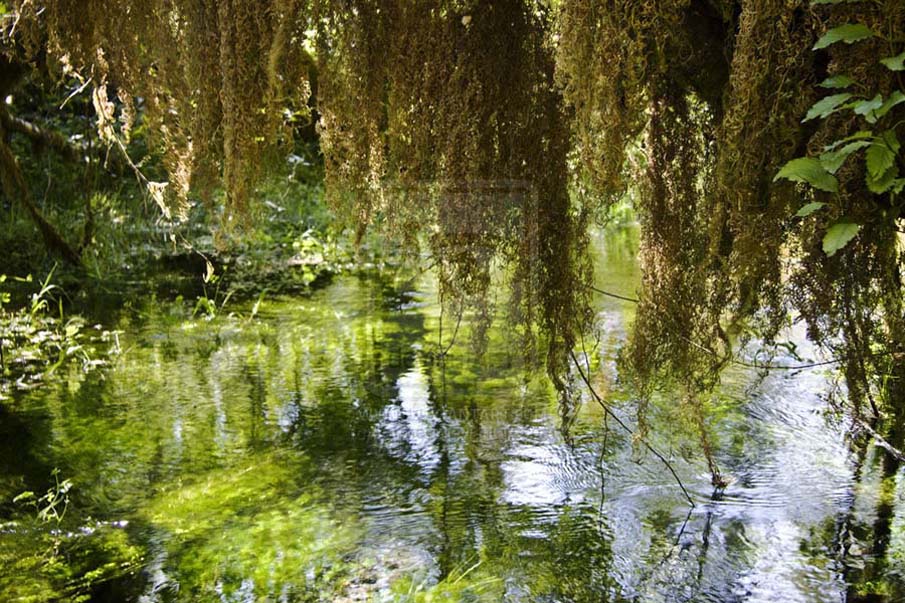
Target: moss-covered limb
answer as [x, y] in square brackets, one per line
[16, 189]
[43, 137]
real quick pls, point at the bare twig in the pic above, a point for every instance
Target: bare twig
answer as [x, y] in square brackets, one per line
[77, 91]
[622, 424]
[880, 440]
[754, 365]
[614, 295]
[444, 352]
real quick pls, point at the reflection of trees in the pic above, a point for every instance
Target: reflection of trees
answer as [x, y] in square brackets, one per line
[555, 553]
[323, 384]
[22, 464]
[859, 537]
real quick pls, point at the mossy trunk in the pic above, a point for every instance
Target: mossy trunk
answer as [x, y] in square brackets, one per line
[17, 190]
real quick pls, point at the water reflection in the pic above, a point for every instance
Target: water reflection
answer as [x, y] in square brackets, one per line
[324, 452]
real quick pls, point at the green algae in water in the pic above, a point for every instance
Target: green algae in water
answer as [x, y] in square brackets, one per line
[245, 532]
[44, 564]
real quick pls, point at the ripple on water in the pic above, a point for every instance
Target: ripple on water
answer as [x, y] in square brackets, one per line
[346, 388]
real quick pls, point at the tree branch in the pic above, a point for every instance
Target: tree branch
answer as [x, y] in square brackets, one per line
[55, 141]
[14, 185]
[880, 440]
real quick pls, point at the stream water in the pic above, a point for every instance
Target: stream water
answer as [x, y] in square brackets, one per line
[323, 451]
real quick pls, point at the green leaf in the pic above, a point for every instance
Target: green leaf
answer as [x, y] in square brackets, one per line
[826, 105]
[837, 81]
[833, 160]
[27, 495]
[865, 107]
[896, 63]
[894, 99]
[860, 135]
[808, 209]
[208, 271]
[882, 154]
[809, 170]
[884, 182]
[891, 140]
[897, 185]
[838, 235]
[848, 33]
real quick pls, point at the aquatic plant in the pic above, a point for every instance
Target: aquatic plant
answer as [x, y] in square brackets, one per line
[38, 338]
[47, 556]
[251, 529]
[462, 584]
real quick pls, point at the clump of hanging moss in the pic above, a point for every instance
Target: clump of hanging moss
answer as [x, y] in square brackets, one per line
[715, 92]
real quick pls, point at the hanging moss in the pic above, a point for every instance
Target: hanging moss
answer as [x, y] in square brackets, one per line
[214, 78]
[439, 118]
[444, 116]
[715, 93]
[470, 123]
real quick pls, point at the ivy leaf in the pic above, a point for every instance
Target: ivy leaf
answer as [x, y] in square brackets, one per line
[848, 33]
[837, 81]
[810, 208]
[896, 63]
[838, 235]
[882, 154]
[809, 170]
[833, 160]
[826, 105]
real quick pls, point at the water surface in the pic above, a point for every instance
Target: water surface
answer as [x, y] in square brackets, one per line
[325, 451]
